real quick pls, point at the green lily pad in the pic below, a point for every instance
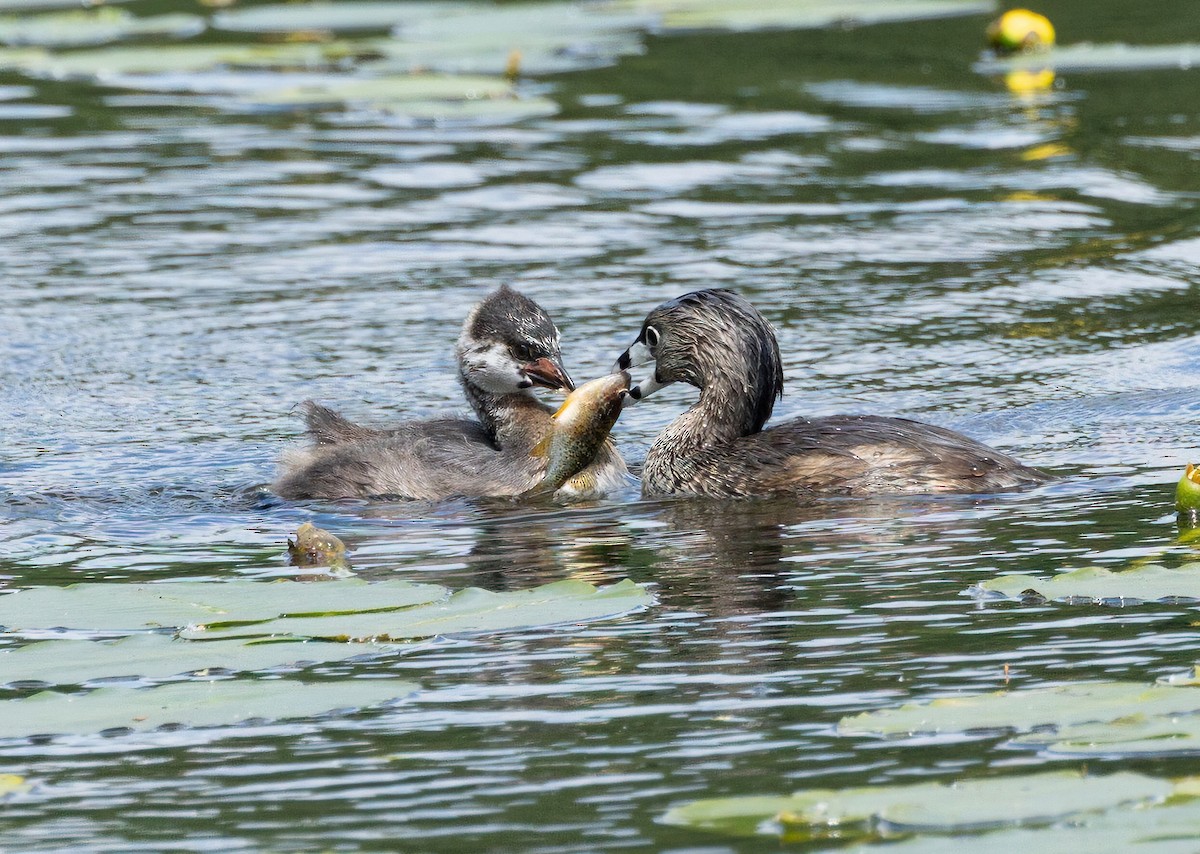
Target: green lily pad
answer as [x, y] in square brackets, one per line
[746, 15]
[399, 89]
[1098, 57]
[1097, 584]
[470, 610]
[1164, 829]
[1137, 735]
[192, 704]
[92, 27]
[1064, 705]
[183, 58]
[343, 16]
[150, 656]
[423, 96]
[131, 607]
[40, 5]
[929, 807]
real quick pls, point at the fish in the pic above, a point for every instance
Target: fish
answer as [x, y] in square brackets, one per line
[580, 429]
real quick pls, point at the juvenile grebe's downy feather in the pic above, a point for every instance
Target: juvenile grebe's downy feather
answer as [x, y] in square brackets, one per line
[508, 346]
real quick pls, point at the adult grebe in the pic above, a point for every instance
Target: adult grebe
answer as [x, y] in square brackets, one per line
[718, 342]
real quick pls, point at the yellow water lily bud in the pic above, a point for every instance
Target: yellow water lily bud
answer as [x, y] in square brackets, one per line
[1020, 31]
[1187, 493]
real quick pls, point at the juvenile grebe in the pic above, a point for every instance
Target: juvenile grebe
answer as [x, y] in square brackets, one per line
[508, 346]
[719, 343]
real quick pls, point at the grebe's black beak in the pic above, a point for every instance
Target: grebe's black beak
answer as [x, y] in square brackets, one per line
[548, 373]
[638, 354]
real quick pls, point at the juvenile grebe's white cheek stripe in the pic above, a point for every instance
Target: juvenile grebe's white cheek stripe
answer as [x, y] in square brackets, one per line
[637, 354]
[494, 370]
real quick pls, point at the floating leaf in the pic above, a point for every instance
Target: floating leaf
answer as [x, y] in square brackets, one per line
[1163, 829]
[745, 15]
[421, 96]
[182, 59]
[1097, 57]
[930, 807]
[334, 17]
[37, 5]
[1132, 736]
[219, 703]
[124, 607]
[73, 662]
[1097, 584]
[1064, 705]
[92, 27]
[398, 89]
[518, 39]
[470, 610]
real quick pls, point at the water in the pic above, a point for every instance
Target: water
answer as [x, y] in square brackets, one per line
[177, 277]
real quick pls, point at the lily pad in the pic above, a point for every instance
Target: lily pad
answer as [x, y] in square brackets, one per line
[193, 704]
[129, 607]
[332, 17]
[186, 58]
[93, 27]
[1060, 706]
[422, 96]
[928, 807]
[467, 611]
[150, 656]
[746, 15]
[1098, 57]
[38, 5]
[1166, 829]
[1097, 584]
[1156, 735]
[525, 38]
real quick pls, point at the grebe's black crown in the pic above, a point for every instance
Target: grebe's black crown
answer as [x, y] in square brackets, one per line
[514, 319]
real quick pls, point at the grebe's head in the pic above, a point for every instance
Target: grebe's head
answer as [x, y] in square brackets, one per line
[705, 338]
[510, 345]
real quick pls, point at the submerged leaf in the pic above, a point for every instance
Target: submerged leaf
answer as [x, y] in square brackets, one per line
[1060, 706]
[1144, 583]
[470, 610]
[194, 704]
[129, 607]
[930, 807]
[150, 656]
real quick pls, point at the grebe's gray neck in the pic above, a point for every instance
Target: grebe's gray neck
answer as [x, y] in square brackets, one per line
[512, 418]
[726, 410]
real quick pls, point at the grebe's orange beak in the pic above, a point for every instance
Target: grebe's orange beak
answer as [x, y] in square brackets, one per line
[548, 374]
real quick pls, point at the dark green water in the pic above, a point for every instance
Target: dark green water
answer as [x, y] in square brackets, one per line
[176, 276]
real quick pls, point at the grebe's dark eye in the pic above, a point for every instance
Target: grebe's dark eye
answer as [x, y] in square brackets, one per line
[651, 336]
[523, 352]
